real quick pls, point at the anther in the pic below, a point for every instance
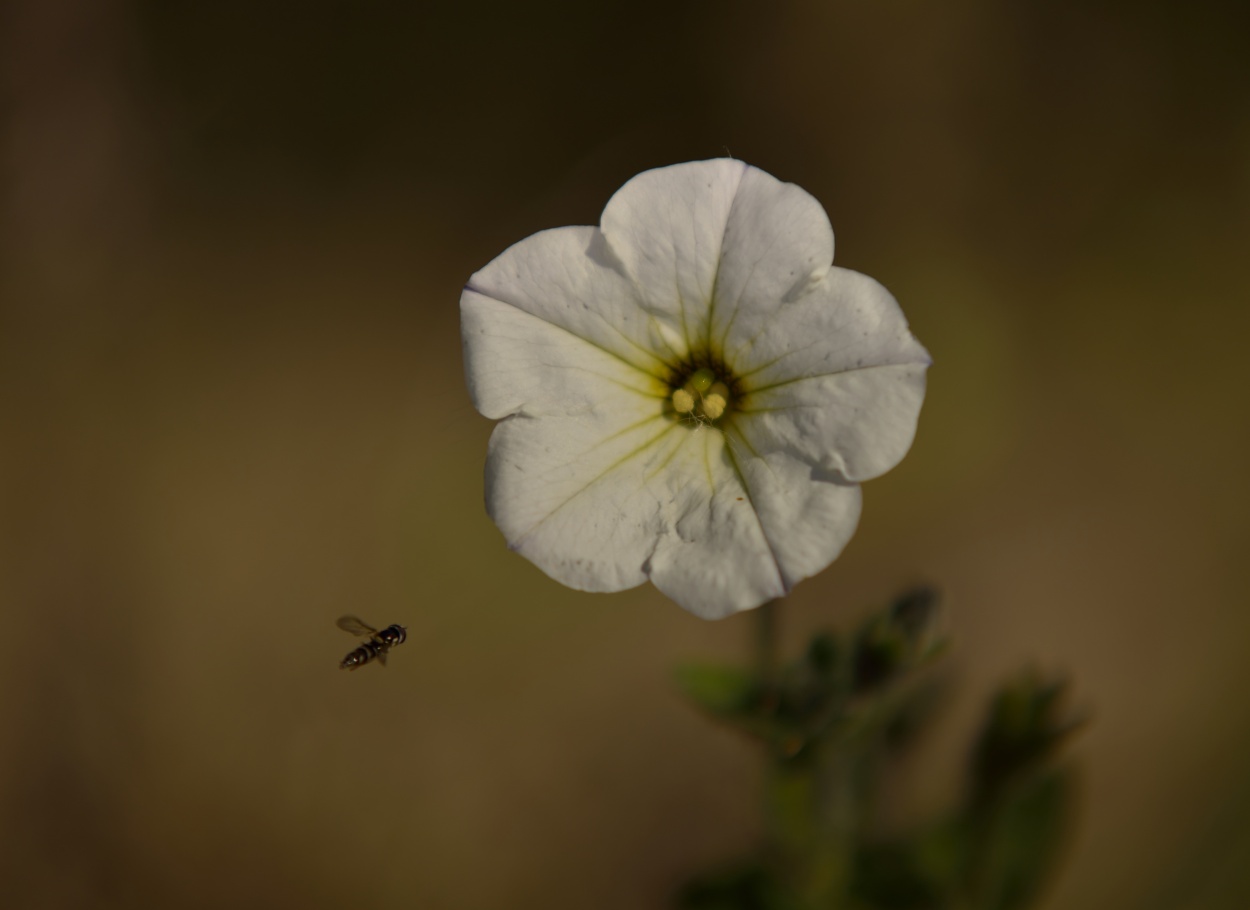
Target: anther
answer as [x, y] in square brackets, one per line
[683, 401]
[716, 400]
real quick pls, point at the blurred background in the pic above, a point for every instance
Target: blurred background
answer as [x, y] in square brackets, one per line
[232, 241]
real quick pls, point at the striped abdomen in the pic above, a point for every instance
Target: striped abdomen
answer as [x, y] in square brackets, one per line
[365, 653]
[375, 647]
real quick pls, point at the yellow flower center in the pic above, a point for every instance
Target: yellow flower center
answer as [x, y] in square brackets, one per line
[704, 397]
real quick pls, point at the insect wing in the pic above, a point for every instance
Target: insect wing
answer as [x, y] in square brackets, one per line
[356, 627]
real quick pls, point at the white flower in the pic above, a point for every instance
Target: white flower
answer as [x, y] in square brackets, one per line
[690, 392]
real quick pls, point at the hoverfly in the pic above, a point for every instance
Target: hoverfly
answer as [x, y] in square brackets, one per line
[377, 645]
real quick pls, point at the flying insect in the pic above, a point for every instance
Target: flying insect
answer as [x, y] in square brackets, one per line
[377, 643]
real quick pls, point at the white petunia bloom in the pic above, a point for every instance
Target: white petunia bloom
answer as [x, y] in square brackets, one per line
[689, 393]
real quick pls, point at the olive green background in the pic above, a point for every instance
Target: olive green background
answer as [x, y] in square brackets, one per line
[232, 241]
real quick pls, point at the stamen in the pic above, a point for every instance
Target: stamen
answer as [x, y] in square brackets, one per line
[683, 401]
[703, 398]
[716, 400]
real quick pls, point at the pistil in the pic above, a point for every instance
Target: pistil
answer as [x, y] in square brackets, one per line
[703, 396]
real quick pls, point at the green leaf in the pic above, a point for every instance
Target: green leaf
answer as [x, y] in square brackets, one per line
[742, 887]
[887, 877]
[916, 873]
[822, 655]
[719, 689]
[895, 642]
[915, 611]
[912, 715]
[1022, 842]
[1025, 725]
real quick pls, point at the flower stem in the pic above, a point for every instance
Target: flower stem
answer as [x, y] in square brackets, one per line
[766, 644]
[787, 796]
[811, 804]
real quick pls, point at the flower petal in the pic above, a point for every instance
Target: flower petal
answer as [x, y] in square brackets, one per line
[663, 501]
[667, 227]
[846, 321]
[778, 242]
[571, 494]
[566, 277]
[834, 378]
[808, 515]
[713, 558]
[747, 529]
[517, 363]
[856, 424]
